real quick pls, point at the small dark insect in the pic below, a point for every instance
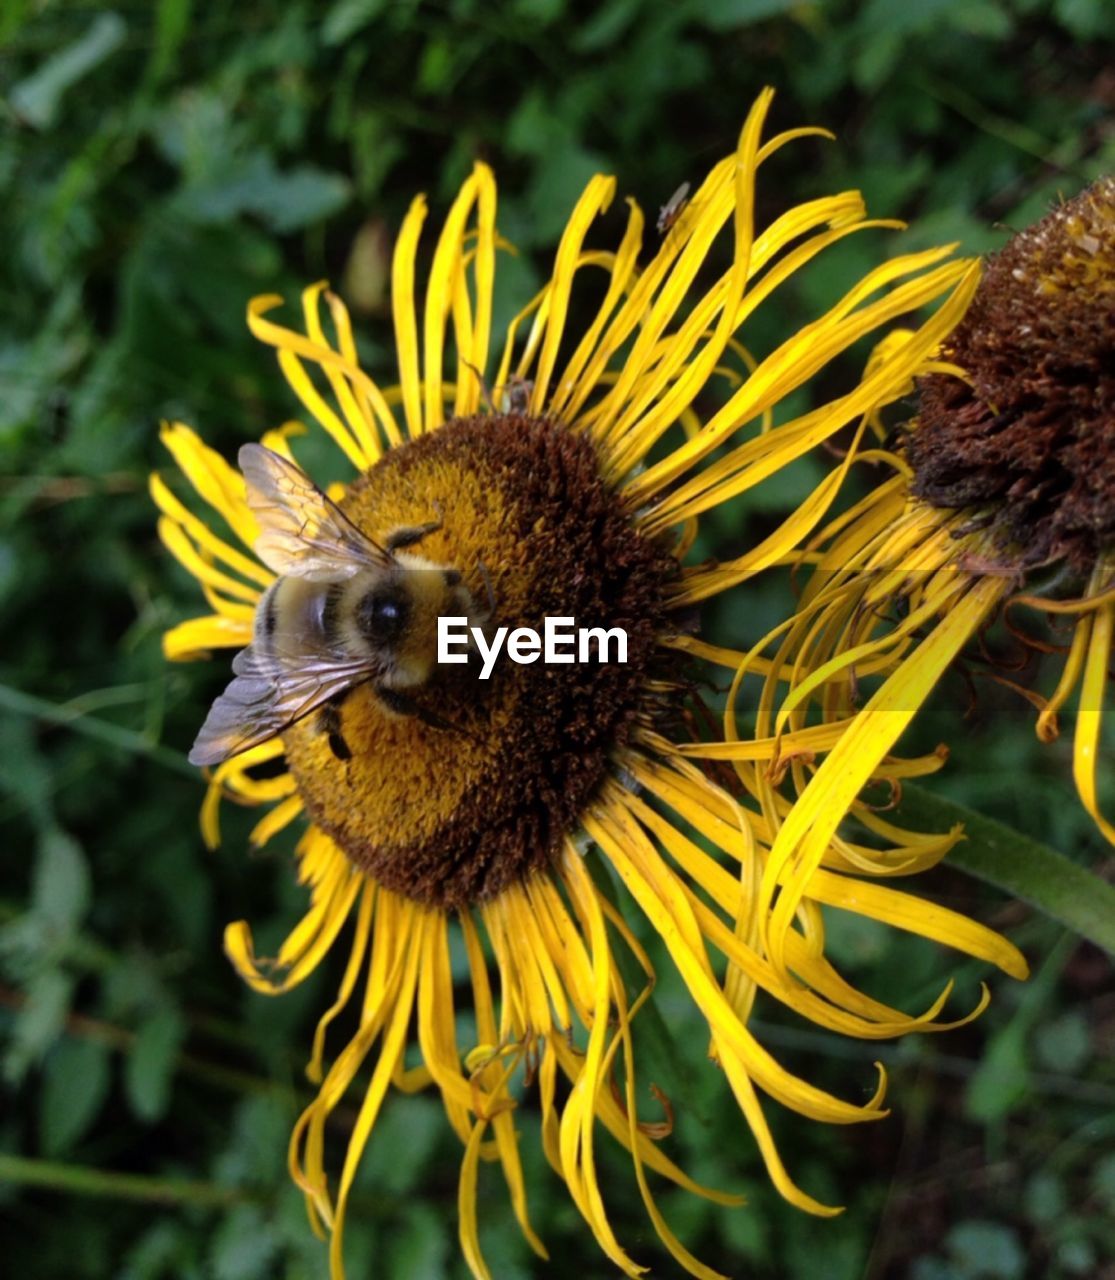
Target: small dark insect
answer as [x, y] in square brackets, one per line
[671, 210]
[515, 394]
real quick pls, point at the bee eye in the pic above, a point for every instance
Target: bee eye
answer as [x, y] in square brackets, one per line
[382, 616]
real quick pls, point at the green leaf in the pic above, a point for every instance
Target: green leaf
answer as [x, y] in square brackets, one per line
[1077, 1256]
[540, 12]
[1023, 867]
[412, 1127]
[151, 1064]
[38, 98]
[986, 1249]
[986, 20]
[606, 25]
[347, 17]
[159, 1252]
[1103, 1179]
[295, 199]
[1001, 1080]
[75, 1085]
[286, 201]
[724, 15]
[906, 19]
[877, 59]
[1086, 19]
[61, 887]
[1065, 1044]
[39, 1022]
[256, 1137]
[1044, 1198]
[933, 1268]
[419, 1246]
[24, 774]
[172, 26]
[12, 17]
[663, 1060]
[244, 1246]
[748, 1234]
[435, 67]
[558, 180]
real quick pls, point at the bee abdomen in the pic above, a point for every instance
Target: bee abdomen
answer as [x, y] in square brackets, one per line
[331, 617]
[270, 611]
[267, 619]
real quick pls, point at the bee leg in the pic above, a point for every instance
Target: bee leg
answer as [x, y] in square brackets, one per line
[411, 535]
[402, 704]
[329, 723]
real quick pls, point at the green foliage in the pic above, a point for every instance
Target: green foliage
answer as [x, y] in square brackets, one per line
[164, 163]
[38, 99]
[151, 1063]
[76, 1081]
[1024, 867]
[986, 1249]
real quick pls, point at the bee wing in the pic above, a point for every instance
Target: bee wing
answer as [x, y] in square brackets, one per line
[268, 694]
[305, 534]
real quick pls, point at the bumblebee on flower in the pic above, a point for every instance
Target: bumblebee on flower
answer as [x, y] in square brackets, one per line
[466, 805]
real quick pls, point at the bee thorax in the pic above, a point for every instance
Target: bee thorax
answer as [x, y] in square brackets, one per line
[383, 614]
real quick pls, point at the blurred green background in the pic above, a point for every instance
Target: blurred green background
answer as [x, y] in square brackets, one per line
[160, 164]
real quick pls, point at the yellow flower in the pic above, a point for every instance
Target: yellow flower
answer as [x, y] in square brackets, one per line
[1005, 480]
[575, 494]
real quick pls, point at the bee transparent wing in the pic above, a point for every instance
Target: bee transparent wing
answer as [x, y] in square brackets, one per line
[304, 533]
[268, 694]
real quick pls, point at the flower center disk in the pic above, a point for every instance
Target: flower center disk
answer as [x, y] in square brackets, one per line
[1031, 437]
[452, 815]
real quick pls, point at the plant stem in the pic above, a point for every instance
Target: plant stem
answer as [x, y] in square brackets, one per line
[85, 1180]
[121, 1040]
[1023, 867]
[105, 731]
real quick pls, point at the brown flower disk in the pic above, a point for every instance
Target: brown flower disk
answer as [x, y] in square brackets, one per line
[452, 816]
[1033, 436]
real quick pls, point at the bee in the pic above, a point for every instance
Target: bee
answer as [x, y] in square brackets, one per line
[344, 611]
[515, 395]
[671, 210]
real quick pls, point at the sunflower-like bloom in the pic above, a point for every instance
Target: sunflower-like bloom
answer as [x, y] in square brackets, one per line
[573, 488]
[1003, 486]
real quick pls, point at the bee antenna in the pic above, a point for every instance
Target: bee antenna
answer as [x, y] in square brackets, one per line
[484, 388]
